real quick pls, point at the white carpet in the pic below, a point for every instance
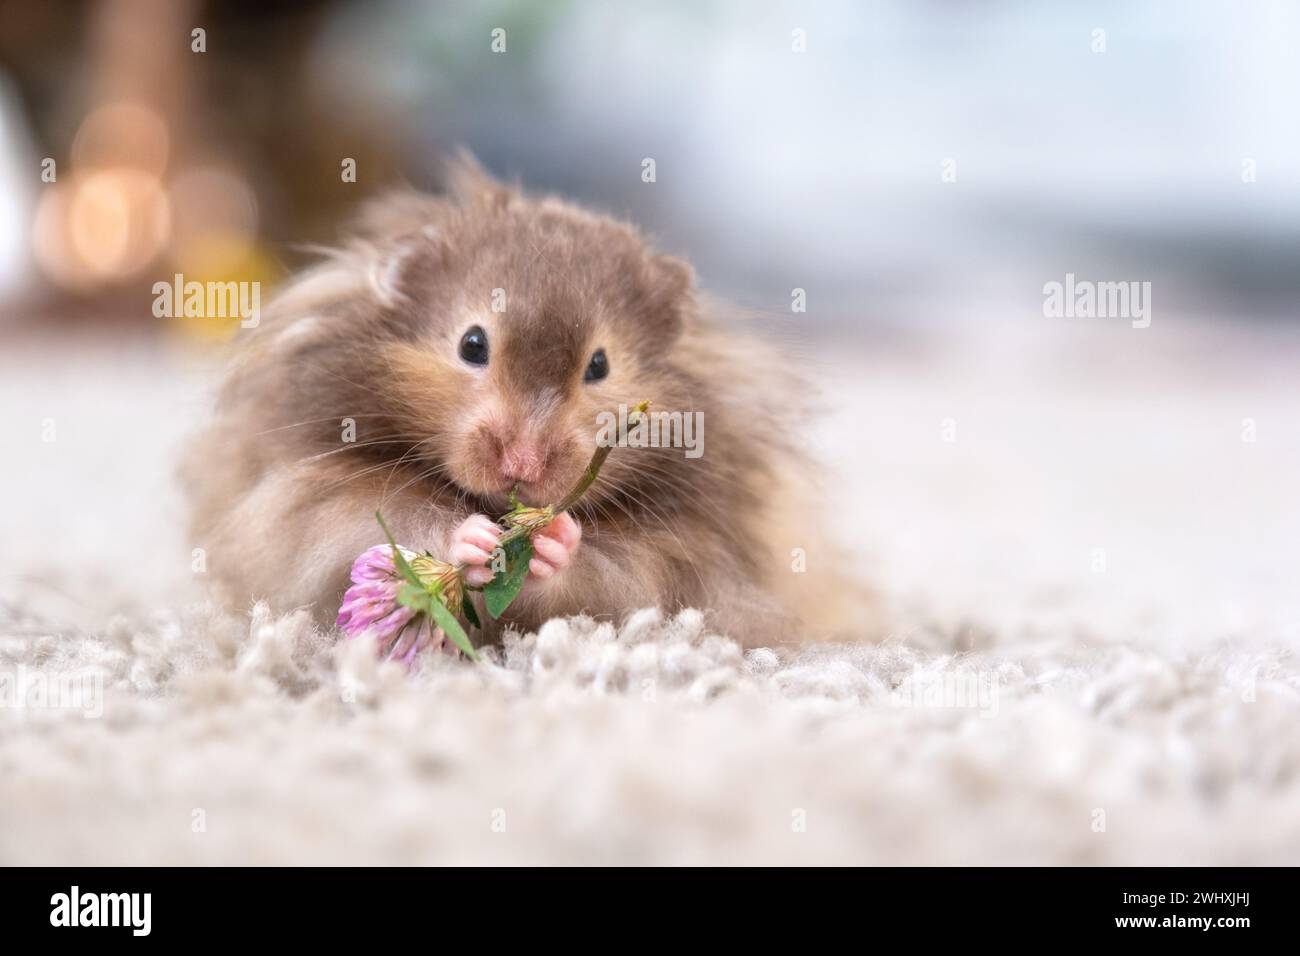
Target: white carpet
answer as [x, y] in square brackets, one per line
[1023, 702]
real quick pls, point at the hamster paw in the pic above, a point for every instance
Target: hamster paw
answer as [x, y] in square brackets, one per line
[554, 546]
[472, 544]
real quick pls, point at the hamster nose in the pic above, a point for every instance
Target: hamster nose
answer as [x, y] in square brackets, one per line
[522, 461]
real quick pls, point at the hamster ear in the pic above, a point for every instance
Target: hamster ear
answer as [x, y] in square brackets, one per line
[673, 278]
[669, 285]
[467, 181]
[390, 265]
[397, 212]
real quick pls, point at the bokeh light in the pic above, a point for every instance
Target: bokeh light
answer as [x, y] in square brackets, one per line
[118, 221]
[51, 246]
[214, 219]
[126, 134]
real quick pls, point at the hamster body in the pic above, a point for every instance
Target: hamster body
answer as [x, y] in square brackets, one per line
[464, 345]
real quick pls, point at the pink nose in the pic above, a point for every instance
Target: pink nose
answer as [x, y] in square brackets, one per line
[522, 461]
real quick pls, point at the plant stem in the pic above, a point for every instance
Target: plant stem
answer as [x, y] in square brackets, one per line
[597, 460]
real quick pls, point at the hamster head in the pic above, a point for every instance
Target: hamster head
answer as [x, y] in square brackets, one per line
[505, 327]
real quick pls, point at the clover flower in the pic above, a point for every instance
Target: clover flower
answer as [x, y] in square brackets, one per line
[372, 606]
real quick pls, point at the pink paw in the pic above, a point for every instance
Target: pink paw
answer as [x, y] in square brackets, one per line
[472, 544]
[554, 546]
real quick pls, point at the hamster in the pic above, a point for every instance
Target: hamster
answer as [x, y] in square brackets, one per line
[463, 345]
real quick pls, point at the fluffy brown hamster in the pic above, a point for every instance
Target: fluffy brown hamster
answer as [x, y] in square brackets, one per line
[464, 344]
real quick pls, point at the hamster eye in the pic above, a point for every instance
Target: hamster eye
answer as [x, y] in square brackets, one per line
[597, 368]
[474, 347]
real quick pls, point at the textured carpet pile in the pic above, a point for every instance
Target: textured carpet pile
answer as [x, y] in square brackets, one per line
[1024, 709]
[223, 742]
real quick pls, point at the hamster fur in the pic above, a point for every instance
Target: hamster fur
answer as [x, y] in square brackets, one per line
[370, 339]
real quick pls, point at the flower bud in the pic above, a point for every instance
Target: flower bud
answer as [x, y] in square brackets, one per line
[530, 519]
[441, 575]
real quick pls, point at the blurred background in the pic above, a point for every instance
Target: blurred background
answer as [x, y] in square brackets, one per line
[920, 169]
[913, 158]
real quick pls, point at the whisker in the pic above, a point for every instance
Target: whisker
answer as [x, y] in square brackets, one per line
[311, 421]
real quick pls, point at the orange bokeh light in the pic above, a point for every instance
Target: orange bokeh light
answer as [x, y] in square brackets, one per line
[125, 134]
